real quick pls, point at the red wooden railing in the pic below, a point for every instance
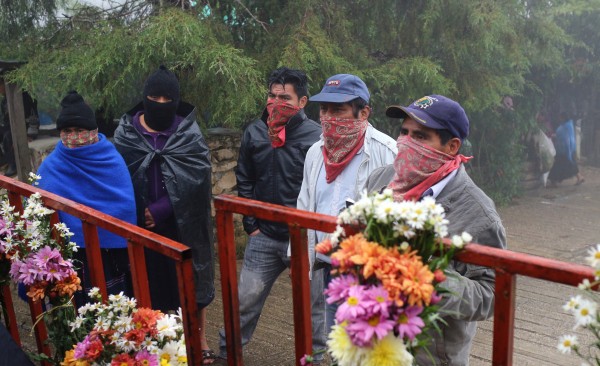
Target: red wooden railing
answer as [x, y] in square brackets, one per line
[507, 264]
[137, 240]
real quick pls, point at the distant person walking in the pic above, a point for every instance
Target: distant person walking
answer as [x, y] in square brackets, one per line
[565, 165]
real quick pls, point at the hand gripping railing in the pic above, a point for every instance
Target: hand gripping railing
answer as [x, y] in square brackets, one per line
[137, 240]
[507, 264]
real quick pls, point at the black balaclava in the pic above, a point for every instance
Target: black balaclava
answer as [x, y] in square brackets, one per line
[163, 83]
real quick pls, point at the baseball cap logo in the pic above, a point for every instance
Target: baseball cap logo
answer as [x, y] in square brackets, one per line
[333, 83]
[425, 102]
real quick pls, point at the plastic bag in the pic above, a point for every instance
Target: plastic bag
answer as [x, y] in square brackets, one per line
[546, 151]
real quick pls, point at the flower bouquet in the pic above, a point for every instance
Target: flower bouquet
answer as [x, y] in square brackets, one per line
[40, 256]
[586, 313]
[388, 262]
[118, 333]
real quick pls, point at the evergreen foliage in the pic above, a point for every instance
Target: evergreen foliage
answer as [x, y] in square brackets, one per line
[475, 51]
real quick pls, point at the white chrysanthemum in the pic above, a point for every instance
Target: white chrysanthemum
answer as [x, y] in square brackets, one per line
[585, 284]
[567, 343]
[593, 257]
[466, 237]
[385, 211]
[585, 313]
[167, 327]
[94, 292]
[123, 324]
[404, 230]
[76, 324]
[417, 222]
[573, 303]
[457, 241]
[125, 345]
[116, 298]
[150, 345]
[102, 324]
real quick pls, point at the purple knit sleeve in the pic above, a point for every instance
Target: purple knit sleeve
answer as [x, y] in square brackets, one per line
[161, 209]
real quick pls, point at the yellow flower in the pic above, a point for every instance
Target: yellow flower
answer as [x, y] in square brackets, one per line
[390, 351]
[341, 347]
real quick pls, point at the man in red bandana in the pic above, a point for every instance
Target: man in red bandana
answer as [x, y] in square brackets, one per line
[270, 169]
[429, 164]
[335, 170]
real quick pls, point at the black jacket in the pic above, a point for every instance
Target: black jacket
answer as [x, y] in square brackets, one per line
[186, 169]
[270, 174]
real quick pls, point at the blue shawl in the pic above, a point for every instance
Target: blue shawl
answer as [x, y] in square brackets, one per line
[95, 176]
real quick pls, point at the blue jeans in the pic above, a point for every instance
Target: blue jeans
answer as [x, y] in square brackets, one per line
[264, 260]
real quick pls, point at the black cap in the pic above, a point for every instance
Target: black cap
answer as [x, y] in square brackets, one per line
[75, 113]
[162, 83]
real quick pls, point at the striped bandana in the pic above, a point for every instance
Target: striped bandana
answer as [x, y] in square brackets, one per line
[344, 137]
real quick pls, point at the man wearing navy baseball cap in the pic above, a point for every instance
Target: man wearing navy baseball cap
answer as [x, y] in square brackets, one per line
[433, 129]
[336, 168]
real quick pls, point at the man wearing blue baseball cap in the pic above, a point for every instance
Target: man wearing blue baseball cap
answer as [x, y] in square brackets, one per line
[335, 170]
[433, 129]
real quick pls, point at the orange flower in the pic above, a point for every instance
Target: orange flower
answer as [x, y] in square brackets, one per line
[37, 291]
[70, 360]
[136, 335]
[356, 250]
[69, 285]
[324, 247]
[145, 319]
[417, 282]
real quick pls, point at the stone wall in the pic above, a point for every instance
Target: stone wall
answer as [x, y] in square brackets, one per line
[224, 145]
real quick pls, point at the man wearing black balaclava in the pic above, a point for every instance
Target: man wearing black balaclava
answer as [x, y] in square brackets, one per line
[169, 163]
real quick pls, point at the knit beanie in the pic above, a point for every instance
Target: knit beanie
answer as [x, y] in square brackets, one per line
[75, 113]
[162, 83]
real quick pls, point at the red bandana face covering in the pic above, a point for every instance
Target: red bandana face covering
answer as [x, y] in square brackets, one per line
[343, 139]
[79, 139]
[279, 114]
[418, 167]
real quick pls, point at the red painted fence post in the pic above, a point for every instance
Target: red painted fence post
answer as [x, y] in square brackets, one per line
[504, 318]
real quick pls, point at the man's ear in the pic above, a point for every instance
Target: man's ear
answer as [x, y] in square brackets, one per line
[302, 101]
[453, 145]
[364, 113]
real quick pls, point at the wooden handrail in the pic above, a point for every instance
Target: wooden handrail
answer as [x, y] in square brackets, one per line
[137, 240]
[508, 265]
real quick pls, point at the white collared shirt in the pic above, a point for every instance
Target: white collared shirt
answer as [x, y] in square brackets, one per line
[437, 188]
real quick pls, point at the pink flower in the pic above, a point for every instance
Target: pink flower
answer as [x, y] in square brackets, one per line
[435, 298]
[81, 347]
[306, 360]
[409, 324]
[338, 288]
[150, 359]
[353, 307]
[362, 330]
[45, 255]
[378, 301]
